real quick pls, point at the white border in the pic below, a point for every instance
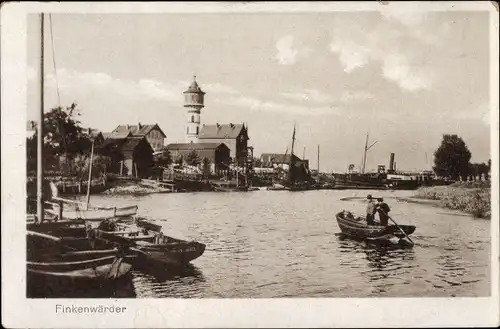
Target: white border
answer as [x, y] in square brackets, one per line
[17, 311]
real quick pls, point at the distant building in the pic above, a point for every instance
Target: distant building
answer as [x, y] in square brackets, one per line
[130, 156]
[270, 160]
[216, 153]
[235, 136]
[153, 133]
[94, 135]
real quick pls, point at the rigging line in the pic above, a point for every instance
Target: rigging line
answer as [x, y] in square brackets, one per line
[54, 61]
[60, 126]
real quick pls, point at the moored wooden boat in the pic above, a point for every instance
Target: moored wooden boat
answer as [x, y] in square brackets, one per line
[358, 228]
[277, 187]
[222, 188]
[49, 274]
[88, 215]
[82, 207]
[149, 243]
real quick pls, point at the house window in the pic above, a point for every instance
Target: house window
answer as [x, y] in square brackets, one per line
[197, 130]
[192, 118]
[187, 130]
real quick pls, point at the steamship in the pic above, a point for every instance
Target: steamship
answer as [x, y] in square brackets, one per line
[382, 179]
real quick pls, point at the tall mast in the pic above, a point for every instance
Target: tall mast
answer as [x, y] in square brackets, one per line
[318, 160]
[366, 151]
[364, 155]
[39, 162]
[290, 170]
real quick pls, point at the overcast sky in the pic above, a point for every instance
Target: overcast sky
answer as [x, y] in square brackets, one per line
[405, 78]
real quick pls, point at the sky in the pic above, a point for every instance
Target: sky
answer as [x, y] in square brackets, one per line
[406, 78]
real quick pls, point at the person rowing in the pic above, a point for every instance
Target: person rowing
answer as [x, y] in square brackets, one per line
[383, 211]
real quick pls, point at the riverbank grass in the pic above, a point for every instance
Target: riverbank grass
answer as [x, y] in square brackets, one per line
[473, 200]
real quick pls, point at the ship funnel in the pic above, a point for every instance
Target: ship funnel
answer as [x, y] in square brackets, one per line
[391, 163]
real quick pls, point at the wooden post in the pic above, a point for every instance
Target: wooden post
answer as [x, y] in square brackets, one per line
[39, 163]
[136, 173]
[121, 168]
[90, 176]
[61, 205]
[80, 186]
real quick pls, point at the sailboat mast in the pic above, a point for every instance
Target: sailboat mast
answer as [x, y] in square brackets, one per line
[290, 169]
[90, 175]
[39, 162]
[364, 154]
[318, 160]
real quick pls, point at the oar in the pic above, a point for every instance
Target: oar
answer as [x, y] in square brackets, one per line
[406, 235]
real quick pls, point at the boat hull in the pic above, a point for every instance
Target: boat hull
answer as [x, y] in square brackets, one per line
[359, 229]
[174, 254]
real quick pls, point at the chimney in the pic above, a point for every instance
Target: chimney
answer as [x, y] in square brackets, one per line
[217, 124]
[391, 163]
[128, 127]
[231, 125]
[139, 125]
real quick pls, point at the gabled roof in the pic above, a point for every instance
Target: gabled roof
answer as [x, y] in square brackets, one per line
[277, 157]
[126, 144]
[117, 135]
[221, 131]
[137, 130]
[130, 143]
[194, 146]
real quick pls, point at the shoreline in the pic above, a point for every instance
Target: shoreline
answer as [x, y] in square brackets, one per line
[472, 200]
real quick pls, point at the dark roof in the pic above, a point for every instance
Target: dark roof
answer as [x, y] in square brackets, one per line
[137, 130]
[194, 146]
[131, 143]
[194, 88]
[277, 157]
[117, 135]
[218, 131]
[125, 144]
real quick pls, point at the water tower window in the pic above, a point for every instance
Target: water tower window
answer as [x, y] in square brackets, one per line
[197, 130]
[187, 130]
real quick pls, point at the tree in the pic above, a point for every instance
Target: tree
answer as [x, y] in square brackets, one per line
[164, 159]
[257, 163]
[63, 136]
[180, 160]
[193, 159]
[452, 158]
[63, 133]
[206, 167]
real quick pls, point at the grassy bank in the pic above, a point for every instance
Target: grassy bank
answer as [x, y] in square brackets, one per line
[471, 197]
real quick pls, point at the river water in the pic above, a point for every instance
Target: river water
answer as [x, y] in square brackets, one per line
[288, 244]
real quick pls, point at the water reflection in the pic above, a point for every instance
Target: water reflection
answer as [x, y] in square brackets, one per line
[170, 282]
[269, 244]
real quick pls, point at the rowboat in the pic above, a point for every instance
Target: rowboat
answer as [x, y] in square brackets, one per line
[93, 210]
[149, 243]
[88, 215]
[358, 228]
[49, 274]
[228, 188]
[277, 187]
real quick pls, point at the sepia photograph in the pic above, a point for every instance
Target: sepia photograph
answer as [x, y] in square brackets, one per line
[254, 154]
